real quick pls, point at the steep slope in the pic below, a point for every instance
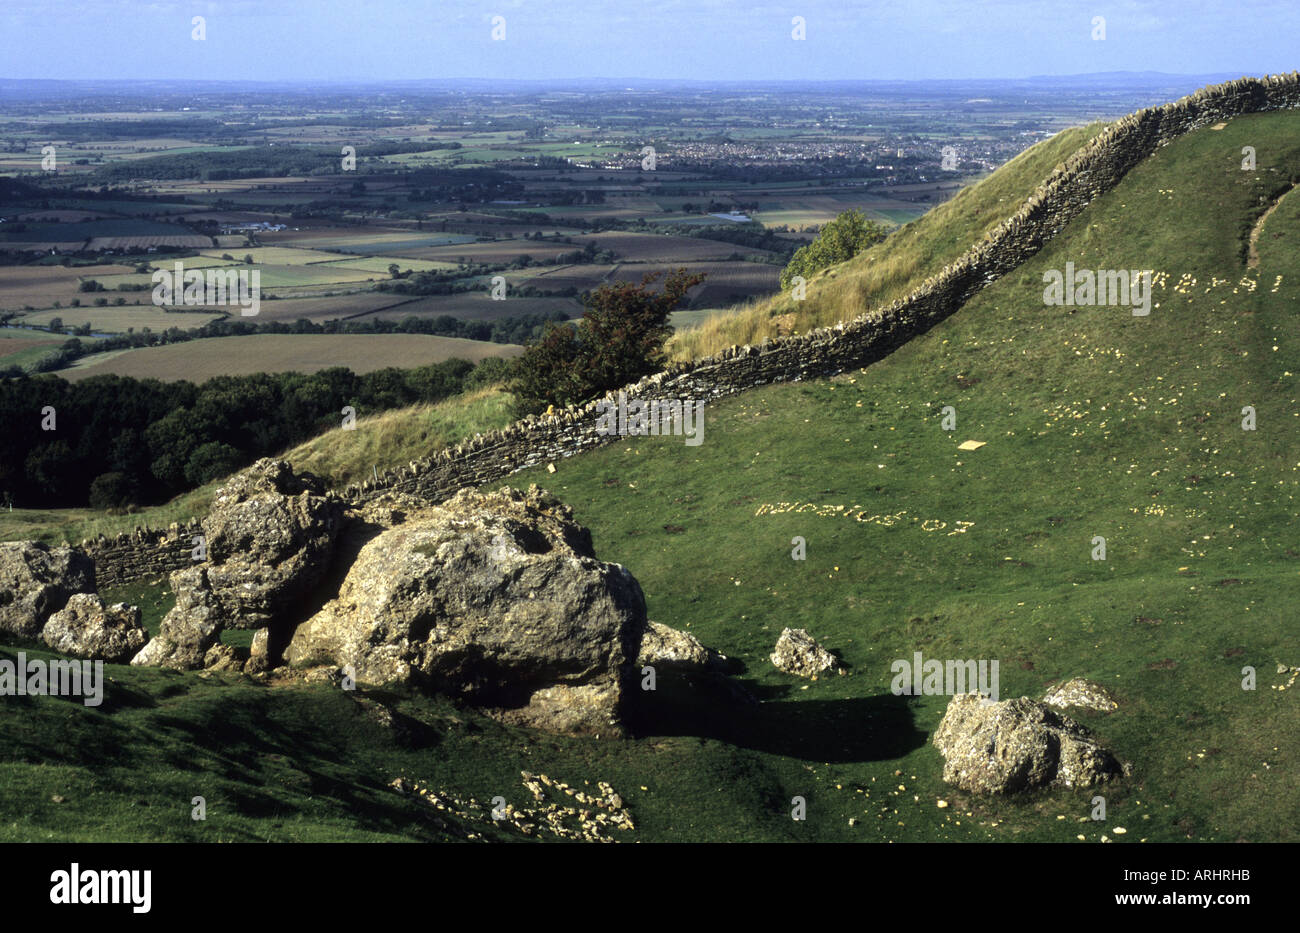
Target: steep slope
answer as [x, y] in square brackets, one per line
[1097, 423]
[895, 266]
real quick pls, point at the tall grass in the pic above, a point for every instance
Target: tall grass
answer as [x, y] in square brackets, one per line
[893, 268]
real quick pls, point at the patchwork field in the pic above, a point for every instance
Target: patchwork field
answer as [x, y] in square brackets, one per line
[121, 320]
[198, 360]
[645, 247]
[725, 283]
[476, 306]
[41, 286]
[20, 348]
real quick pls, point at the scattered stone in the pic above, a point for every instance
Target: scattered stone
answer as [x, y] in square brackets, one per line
[86, 628]
[662, 646]
[36, 581]
[1081, 693]
[591, 821]
[496, 598]
[798, 653]
[1016, 745]
[222, 658]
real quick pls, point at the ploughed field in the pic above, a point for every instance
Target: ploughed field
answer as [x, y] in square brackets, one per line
[199, 360]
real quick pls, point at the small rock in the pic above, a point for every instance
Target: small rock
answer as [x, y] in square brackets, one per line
[1081, 693]
[798, 653]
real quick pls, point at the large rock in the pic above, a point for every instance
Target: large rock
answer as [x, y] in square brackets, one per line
[269, 539]
[1015, 745]
[798, 653]
[191, 627]
[36, 581]
[269, 536]
[497, 598]
[85, 627]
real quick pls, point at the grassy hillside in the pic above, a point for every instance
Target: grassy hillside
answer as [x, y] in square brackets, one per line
[1097, 423]
[895, 266]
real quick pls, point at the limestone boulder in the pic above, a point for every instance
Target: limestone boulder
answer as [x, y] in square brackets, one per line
[36, 581]
[1083, 694]
[87, 628]
[497, 598]
[269, 538]
[798, 653]
[191, 627]
[1016, 745]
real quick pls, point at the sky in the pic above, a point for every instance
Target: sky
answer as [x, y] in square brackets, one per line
[706, 40]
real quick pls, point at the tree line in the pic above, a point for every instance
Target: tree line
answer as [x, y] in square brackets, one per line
[518, 328]
[112, 441]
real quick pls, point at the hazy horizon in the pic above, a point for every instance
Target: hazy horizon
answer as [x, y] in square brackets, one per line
[674, 40]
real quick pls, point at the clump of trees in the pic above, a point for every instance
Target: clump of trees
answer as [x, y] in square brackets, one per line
[619, 339]
[119, 441]
[839, 241]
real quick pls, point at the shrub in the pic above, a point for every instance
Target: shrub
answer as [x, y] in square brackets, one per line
[619, 339]
[839, 241]
[111, 491]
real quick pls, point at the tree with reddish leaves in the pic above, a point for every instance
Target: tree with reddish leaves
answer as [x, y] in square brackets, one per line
[619, 339]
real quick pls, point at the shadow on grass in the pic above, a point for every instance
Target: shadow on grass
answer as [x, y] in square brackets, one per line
[857, 729]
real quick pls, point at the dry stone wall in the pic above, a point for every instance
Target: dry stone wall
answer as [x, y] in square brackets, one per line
[142, 553]
[1094, 169]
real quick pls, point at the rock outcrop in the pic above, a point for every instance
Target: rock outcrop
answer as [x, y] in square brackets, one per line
[497, 598]
[36, 581]
[269, 538]
[1016, 745]
[190, 628]
[87, 628]
[798, 653]
[269, 541]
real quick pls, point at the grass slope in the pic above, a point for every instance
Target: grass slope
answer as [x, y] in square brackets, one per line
[895, 266]
[1096, 422]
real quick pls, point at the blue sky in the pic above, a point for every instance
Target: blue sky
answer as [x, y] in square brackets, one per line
[695, 39]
